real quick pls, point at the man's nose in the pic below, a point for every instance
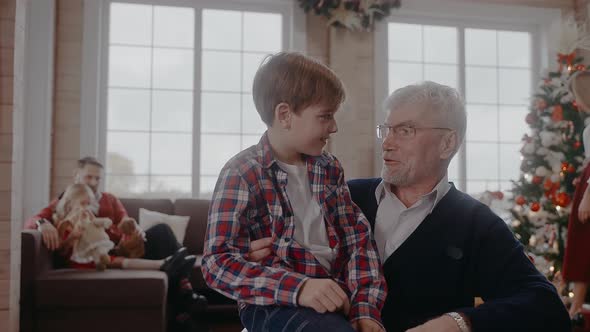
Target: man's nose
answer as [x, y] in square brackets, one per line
[389, 143]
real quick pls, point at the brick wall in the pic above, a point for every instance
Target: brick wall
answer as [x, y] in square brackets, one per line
[68, 69]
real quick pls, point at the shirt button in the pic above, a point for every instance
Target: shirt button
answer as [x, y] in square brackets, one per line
[287, 239]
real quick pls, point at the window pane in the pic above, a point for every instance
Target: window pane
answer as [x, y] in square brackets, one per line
[262, 32]
[220, 113]
[482, 161]
[129, 66]
[512, 124]
[133, 151]
[249, 140]
[251, 63]
[207, 185]
[171, 186]
[478, 187]
[172, 111]
[216, 151]
[514, 49]
[174, 26]
[172, 154]
[440, 44]
[221, 71]
[126, 186]
[405, 42]
[173, 69]
[443, 74]
[515, 87]
[402, 74]
[222, 29]
[251, 121]
[128, 109]
[482, 123]
[481, 85]
[480, 47]
[130, 24]
[510, 161]
[453, 170]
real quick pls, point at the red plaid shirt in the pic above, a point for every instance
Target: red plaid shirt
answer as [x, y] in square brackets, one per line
[250, 202]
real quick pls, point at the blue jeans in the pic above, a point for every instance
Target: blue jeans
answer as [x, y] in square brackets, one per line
[257, 318]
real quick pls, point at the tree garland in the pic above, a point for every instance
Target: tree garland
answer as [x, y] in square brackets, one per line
[351, 14]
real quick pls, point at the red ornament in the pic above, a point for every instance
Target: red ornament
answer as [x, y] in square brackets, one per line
[535, 207]
[577, 145]
[520, 200]
[580, 67]
[537, 179]
[548, 184]
[557, 114]
[564, 166]
[497, 195]
[531, 118]
[571, 169]
[575, 105]
[563, 199]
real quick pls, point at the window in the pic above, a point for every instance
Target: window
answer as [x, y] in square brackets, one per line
[178, 94]
[493, 69]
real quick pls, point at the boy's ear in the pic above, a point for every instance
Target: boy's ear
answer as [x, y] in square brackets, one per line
[283, 115]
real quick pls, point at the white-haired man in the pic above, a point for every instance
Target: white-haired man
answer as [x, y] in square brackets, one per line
[439, 247]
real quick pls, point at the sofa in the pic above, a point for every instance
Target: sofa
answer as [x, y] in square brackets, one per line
[58, 299]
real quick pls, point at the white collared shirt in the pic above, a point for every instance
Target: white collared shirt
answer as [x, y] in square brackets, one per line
[395, 222]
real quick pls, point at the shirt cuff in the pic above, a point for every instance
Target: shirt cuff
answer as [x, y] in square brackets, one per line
[288, 288]
[365, 311]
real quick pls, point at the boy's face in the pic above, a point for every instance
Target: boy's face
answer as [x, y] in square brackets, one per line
[311, 129]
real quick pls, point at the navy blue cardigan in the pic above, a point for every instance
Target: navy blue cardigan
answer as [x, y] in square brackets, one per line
[460, 251]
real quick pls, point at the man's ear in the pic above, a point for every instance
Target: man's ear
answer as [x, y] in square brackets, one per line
[283, 115]
[449, 144]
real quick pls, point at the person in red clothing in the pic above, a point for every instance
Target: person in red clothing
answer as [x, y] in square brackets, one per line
[576, 261]
[161, 244]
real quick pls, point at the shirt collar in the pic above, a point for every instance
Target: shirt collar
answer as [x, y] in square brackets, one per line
[439, 191]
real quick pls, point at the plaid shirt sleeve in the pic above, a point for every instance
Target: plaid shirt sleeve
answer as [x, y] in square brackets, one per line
[363, 274]
[227, 241]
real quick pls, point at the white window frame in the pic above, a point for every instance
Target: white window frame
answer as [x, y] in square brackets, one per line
[537, 21]
[93, 119]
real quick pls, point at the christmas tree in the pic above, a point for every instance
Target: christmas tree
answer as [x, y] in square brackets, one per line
[552, 158]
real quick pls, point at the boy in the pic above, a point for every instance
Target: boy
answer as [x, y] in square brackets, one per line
[324, 265]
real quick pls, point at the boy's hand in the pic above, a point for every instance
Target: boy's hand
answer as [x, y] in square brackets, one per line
[323, 295]
[441, 324]
[259, 249]
[367, 325]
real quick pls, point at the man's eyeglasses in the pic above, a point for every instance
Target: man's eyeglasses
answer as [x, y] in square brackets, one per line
[401, 131]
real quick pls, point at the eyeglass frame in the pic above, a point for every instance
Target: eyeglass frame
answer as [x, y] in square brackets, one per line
[414, 129]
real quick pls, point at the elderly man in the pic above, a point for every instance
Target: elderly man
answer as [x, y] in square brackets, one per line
[439, 247]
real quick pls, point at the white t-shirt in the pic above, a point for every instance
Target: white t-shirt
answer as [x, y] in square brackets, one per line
[310, 229]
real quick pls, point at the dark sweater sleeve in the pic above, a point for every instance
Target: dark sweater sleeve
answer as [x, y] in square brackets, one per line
[516, 296]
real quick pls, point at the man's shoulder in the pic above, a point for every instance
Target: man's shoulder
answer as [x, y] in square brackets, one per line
[470, 209]
[364, 184]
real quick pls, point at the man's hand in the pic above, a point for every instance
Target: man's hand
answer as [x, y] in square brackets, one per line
[443, 323]
[584, 209]
[259, 249]
[323, 295]
[49, 235]
[367, 325]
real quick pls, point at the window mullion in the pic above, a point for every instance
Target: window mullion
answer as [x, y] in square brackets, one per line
[462, 155]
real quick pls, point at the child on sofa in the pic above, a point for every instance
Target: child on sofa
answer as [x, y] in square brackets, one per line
[85, 244]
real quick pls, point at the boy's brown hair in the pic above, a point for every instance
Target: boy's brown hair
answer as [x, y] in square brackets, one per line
[297, 80]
